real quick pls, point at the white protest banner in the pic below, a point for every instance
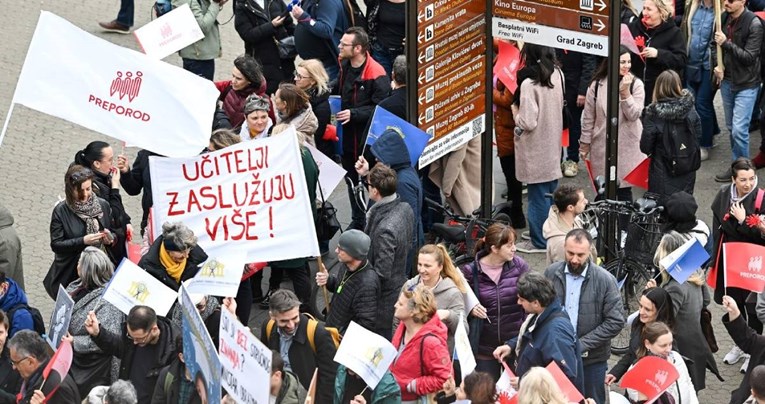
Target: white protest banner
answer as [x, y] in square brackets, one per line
[250, 197]
[330, 173]
[199, 353]
[220, 275]
[366, 353]
[245, 360]
[76, 76]
[462, 349]
[131, 286]
[169, 33]
[60, 318]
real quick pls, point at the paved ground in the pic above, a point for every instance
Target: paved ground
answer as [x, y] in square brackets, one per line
[39, 148]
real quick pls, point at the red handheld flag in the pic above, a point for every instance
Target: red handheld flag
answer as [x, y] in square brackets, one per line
[569, 390]
[57, 368]
[133, 251]
[507, 65]
[639, 175]
[743, 266]
[588, 165]
[651, 376]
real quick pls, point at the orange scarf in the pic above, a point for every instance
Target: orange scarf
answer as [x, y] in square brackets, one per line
[173, 268]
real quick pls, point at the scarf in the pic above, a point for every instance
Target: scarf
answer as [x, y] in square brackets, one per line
[89, 211]
[173, 269]
[734, 196]
[528, 324]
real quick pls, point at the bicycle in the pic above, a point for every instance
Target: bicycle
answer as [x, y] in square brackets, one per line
[632, 248]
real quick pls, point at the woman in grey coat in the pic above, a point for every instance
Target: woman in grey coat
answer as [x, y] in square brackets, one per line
[90, 366]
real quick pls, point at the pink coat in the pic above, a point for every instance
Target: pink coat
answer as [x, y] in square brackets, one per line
[630, 129]
[538, 148]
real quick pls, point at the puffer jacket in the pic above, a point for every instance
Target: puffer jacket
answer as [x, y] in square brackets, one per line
[424, 359]
[500, 300]
[355, 297]
[151, 263]
[386, 392]
[670, 44]
[206, 14]
[659, 120]
[741, 52]
[233, 101]
[448, 297]
[600, 310]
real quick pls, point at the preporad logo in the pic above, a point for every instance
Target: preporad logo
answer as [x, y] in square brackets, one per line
[124, 85]
[166, 31]
[755, 264]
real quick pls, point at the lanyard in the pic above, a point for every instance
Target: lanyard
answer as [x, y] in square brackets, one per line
[342, 282]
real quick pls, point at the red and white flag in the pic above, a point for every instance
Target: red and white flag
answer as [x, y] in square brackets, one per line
[651, 376]
[73, 75]
[743, 266]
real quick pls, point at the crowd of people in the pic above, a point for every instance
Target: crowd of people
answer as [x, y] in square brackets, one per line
[390, 280]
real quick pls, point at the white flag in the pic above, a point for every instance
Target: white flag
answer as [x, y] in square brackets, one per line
[169, 33]
[220, 275]
[463, 350]
[132, 286]
[73, 75]
[330, 173]
[366, 353]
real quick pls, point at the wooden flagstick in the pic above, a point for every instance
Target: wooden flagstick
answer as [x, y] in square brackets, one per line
[718, 27]
[322, 268]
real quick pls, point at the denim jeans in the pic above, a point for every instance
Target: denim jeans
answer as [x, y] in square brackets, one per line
[126, 13]
[385, 56]
[332, 69]
[738, 112]
[704, 95]
[202, 68]
[594, 375]
[575, 126]
[539, 208]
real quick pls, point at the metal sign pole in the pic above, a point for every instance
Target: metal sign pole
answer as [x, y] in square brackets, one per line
[487, 155]
[612, 114]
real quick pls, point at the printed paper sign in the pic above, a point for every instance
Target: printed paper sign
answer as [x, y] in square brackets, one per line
[60, 318]
[132, 286]
[247, 198]
[330, 173]
[462, 349]
[246, 362]
[73, 75]
[220, 275]
[743, 266]
[199, 352]
[169, 33]
[366, 353]
[651, 376]
[683, 262]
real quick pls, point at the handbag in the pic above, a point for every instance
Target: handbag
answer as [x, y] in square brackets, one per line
[326, 219]
[286, 46]
[475, 324]
[709, 332]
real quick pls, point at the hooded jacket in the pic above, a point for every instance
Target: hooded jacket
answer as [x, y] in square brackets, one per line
[386, 392]
[10, 248]
[554, 230]
[424, 359]
[660, 120]
[448, 297]
[151, 263]
[22, 319]
[391, 150]
[670, 44]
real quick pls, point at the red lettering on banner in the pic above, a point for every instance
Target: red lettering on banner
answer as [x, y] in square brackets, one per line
[239, 161]
[241, 339]
[173, 202]
[237, 226]
[229, 353]
[119, 109]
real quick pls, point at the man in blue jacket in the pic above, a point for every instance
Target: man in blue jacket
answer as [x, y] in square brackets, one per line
[547, 334]
[13, 301]
[320, 26]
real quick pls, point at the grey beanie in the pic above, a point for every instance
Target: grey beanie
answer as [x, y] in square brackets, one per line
[355, 243]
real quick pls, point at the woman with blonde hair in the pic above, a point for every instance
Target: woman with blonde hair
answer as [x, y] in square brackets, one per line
[539, 387]
[422, 365]
[671, 118]
[222, 138]
[311, 77]
[437, 272]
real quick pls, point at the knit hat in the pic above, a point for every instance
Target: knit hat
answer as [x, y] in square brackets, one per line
[256, 103]
[355, 243]
[680, 209]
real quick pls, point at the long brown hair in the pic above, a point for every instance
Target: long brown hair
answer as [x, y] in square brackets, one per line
[651, 332]
[668, 85]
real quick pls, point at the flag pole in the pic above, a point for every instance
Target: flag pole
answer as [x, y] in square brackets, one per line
[322, 268]
[718, 28]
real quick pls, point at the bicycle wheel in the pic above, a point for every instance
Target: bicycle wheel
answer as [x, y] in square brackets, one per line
[631, 276]
[318, 304]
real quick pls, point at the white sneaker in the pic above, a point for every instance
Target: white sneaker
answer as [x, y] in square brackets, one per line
[526, 235]
[704, 154]
[569, 168]
[526, 246]
[733, 356]
[745, 365]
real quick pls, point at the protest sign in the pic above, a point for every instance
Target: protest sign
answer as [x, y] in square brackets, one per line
[330, 173]
[462, 349]
[651, 376]
[169, 33]
[743, 266]
[507, 65]
[569, 390]
[415, 138]
[220, 275]
[73, 75]
[245, 360]
[250, 197]
[131, 286]
[199, 353]
[683, 262]
[366, 353]
[60, 318]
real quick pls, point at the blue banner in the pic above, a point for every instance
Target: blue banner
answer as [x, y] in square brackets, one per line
[414, 137]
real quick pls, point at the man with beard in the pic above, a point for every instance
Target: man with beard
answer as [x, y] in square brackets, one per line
[590, 296]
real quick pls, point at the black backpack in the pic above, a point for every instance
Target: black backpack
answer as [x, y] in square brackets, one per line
[682, 147]
[37, 319]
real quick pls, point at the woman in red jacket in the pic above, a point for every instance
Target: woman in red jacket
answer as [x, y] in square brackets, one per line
[423, 364]
[246, 79]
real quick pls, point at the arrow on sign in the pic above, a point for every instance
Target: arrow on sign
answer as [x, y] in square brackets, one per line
[600, 25]
[420, 118]
[420, 77]
[420, 37]
[420, 100]
[420, 57]
[421, 15]
[601, 5]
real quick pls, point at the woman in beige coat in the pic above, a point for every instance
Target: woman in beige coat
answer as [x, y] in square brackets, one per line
[538, 127]
[593, 140]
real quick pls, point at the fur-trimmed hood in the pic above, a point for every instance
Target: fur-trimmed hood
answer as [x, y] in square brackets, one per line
[672, 109]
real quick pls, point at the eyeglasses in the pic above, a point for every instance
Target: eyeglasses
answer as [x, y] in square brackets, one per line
[345, 45]
[299, 77]
[18, 362]
[139, 340]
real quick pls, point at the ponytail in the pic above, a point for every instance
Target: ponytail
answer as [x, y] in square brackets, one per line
[93, 152]
[439, 252]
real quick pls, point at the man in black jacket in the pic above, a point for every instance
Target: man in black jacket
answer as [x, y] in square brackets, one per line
[395, 103]
[168, 388]
[145, 347]
[29, 355]
[287, 333]
[357, 288]
[362, 84]
[740, 39]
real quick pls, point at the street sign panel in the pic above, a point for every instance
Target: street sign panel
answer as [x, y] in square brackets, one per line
[550, 36]
[528, 11]
[452, 130]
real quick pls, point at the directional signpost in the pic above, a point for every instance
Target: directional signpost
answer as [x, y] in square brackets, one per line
[448, 86]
